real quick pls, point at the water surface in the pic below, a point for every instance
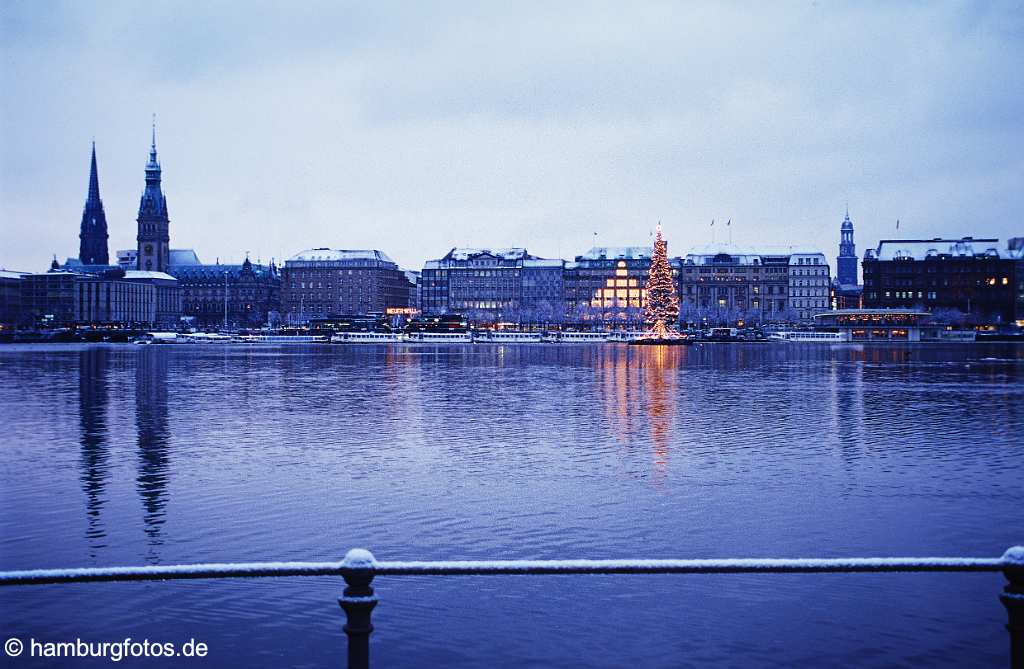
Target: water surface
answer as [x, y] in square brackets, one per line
[114, 455]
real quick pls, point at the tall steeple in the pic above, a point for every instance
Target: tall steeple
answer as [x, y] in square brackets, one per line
[846, 265]
[92, 248]
[154, 233]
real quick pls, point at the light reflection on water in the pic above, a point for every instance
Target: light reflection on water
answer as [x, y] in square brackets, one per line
[182, 454]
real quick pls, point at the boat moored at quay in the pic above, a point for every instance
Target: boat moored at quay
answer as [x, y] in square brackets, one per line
[576, 337]
[507, 337]
[438, 337]
[808, 337]
[365, 338]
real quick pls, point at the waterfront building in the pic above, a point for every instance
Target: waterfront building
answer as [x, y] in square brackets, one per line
[906, 325]
[63, 298]
[92, 249]
[323, 282]
[154, 225]
[167, 295]
[963, 280]
[723, 283]
[543, 290]
[243, 295]
[12, 313]
[415, 289]
[492, 285]
[607, 284]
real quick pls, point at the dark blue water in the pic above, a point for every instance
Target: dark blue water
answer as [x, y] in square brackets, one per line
[114, 455]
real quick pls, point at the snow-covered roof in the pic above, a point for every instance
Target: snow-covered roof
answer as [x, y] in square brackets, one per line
[505, 254]
[616, 252]
[746, 255]
[544, 262]
[183, 257]
[10, 274]
[327, 255]
[919, 249]
[760, 250]
[147, 274]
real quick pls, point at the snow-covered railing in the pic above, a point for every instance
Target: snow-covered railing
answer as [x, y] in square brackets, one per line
[360, 567]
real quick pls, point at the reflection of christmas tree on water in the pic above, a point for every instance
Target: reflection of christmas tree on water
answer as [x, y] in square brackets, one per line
[662, 308]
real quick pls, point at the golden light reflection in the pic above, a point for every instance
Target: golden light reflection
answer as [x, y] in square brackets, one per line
[640, 391]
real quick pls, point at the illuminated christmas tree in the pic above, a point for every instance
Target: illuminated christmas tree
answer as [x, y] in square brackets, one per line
[662, 307]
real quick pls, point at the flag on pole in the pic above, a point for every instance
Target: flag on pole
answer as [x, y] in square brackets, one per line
[897, 224]
[712, 222]
[728, 223]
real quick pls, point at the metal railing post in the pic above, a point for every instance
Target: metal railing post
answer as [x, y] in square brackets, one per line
[358, 601]
[1012, 598]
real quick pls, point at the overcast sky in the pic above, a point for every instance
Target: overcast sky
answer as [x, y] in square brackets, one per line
[413, 128]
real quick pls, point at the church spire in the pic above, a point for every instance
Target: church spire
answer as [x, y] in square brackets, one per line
[92, 249]
[94, 180]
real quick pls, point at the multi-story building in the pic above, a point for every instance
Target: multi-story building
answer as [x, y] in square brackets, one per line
[415, 298]
[725, 283]
[245, 295]
[325, 282]
[166, 294]
[12, 313]
[492, 285]
[543, 293]
[809, 284]
[61, 298]
[607, 284]
[968, 279]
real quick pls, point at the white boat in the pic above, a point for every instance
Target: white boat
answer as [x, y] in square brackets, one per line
[625, 335]
[283, 339]
[439, 337]
[572, 337]
[364, 338]
[156, 338]
[205, 338]
[800, 336]
[507, 337]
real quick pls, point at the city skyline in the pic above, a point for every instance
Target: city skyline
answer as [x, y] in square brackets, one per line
[608, 122]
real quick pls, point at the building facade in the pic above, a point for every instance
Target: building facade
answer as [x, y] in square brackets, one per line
[154, 241]
[12, 312]
[325, 282]
[727, 284]
[61, 298]
[543, 291]
[245, 295]
[489, 285]
[166, 294]
[92, 237]
[607, 284]
[963, 280]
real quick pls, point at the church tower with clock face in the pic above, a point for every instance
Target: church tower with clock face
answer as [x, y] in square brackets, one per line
[154, 234]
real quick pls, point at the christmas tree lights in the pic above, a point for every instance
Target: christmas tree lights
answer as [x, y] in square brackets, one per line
[662, 308]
